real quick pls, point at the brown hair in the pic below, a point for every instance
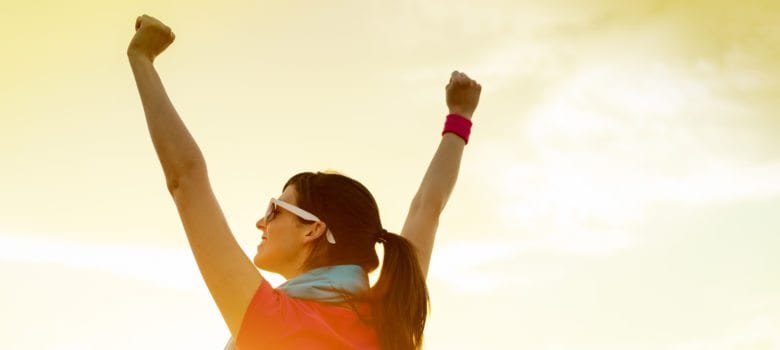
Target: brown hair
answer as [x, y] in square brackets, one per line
[399, 298]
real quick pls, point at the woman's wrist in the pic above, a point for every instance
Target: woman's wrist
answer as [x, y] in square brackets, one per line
[138, 58]
[466, 115]
[458, 125]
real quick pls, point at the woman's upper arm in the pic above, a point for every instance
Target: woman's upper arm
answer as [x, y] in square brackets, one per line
[420, 228]
[230, 275]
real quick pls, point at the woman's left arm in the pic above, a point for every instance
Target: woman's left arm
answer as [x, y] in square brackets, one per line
[230, 276]
[173, 143]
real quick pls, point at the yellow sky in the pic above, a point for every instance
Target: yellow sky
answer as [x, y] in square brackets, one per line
[620, 189]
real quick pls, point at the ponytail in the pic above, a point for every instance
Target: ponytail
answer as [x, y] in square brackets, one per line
[400, 296]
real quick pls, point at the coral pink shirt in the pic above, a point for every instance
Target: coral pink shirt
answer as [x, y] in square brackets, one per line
[275, 320]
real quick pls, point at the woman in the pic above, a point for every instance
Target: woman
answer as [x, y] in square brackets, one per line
[320, 234]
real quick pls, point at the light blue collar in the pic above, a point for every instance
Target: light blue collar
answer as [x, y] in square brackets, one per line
[330, 284]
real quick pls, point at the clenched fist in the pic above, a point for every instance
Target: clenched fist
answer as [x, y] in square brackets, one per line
[462, 94]
[151, 38]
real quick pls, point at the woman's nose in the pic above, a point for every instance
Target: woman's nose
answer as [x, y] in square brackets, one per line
[261, 224]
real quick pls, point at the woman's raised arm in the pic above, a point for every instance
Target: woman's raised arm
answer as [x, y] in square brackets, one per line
[173, 143]
[230, 276]
[439, 180]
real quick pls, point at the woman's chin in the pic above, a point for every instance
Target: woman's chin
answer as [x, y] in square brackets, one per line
[258, 261]
[262, 263]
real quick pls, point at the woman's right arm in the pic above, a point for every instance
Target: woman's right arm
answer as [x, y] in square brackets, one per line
[439, 180]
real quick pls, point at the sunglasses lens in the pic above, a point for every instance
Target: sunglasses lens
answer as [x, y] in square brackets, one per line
[269, 213]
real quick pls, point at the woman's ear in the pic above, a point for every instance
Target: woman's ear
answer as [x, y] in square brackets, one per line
[316, 230]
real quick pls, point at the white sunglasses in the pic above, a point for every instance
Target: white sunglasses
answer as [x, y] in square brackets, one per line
[270, 213]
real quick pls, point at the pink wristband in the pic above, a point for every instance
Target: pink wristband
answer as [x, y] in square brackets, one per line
[458, 125]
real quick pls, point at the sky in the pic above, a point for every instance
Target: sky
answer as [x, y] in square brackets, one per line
[620, 190]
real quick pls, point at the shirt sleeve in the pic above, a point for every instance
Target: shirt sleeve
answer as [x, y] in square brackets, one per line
[268, 319]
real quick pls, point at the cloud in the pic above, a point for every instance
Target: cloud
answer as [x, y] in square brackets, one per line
[638, 119]
[461, 264]
[490, 266]
[163, 267]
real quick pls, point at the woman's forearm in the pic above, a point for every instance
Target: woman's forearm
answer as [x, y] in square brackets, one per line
[442, 173]
[175, 147]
